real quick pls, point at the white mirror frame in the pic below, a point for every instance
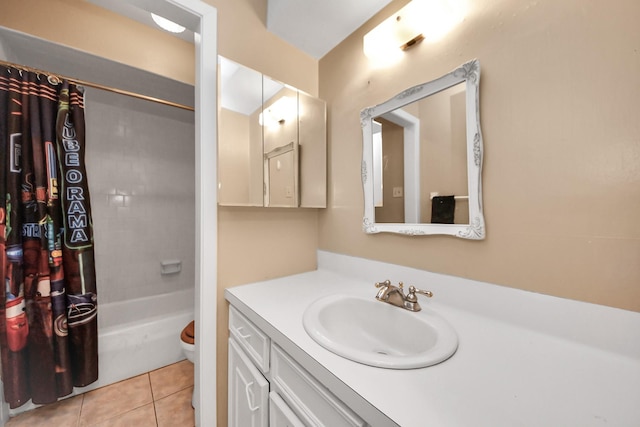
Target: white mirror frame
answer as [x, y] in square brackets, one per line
[470, 74]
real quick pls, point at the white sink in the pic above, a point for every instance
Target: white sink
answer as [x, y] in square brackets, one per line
[379, 334]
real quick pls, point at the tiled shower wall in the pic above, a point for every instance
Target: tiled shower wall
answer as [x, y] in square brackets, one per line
[140, 160]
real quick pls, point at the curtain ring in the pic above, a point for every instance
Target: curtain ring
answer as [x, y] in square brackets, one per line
[54, 80]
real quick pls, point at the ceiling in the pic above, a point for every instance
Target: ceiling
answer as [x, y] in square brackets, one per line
[313, 26]
[317, 26]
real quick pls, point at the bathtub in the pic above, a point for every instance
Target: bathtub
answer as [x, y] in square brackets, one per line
[140, 335]
[134, 337]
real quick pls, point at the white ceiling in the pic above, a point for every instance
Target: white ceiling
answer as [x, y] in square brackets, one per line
[313, 26]
[317, 26]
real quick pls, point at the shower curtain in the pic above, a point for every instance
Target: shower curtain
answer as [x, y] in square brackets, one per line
[48, 302]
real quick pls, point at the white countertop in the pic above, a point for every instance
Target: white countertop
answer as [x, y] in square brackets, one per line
[523, 359]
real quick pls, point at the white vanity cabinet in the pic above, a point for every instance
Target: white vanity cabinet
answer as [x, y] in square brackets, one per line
[267, 387]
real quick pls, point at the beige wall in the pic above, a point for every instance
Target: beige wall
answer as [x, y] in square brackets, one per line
[559, 114]
[254, 243]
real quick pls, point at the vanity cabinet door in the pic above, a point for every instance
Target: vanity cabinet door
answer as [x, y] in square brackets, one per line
[248, 391]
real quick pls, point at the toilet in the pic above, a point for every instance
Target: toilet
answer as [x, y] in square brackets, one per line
[187, 341]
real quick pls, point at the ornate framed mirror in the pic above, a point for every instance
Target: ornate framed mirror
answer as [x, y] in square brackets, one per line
[422, 159]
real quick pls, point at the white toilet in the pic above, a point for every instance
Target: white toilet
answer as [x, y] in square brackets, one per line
[187, 341]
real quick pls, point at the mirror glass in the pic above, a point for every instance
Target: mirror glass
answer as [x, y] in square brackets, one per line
[422, 159]
[240, 135]
[279, 120]
[272, 142]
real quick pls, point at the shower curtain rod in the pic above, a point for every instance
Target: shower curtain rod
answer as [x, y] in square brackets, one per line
[99, 86]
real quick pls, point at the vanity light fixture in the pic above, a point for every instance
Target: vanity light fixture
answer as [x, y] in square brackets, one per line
[419, 20]
[167, 25]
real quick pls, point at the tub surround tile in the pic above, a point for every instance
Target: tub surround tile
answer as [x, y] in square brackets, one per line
[116, 399]
[176, 410]
[63, 413]
[171, 379]
[138, 172]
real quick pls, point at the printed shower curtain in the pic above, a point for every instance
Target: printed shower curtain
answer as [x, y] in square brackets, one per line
[48, 303]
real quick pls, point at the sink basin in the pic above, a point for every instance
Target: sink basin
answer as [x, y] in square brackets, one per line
[379, 334]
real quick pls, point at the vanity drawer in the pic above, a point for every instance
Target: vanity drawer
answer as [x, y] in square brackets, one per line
[313, 403]
[280, 415]
[254, 342]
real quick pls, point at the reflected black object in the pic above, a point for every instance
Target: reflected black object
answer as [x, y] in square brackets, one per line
[442, 209]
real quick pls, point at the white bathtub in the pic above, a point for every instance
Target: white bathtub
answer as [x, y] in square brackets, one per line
[134, 337]
[140, 335]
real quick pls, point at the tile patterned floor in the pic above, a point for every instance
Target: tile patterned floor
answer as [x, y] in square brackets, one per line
[160, 398]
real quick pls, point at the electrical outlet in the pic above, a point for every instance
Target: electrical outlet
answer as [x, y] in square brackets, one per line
[397, 191]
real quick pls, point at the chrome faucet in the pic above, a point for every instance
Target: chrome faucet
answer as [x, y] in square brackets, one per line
[390, 294]
[394, 295]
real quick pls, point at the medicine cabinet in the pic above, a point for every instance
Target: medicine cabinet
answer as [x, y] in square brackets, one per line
[272, 142]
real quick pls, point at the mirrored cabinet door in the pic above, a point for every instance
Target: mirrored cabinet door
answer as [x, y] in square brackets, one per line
[312, 141]
[240, 135]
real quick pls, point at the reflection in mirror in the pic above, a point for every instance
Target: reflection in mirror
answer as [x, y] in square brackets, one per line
[422, 158]
[279, 120]
[240, 135]
[444, 157]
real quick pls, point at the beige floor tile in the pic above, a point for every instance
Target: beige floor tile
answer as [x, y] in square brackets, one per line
[116, 399]
[175, 410]
[63, 413]
[145, 416]
[170, 379]
[124, 404]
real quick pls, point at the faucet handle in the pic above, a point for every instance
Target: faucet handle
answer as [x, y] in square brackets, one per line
[411, 300]
[385, 283]
[411, 296]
